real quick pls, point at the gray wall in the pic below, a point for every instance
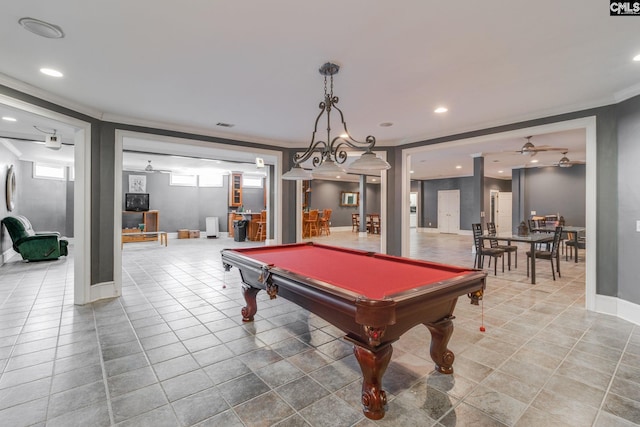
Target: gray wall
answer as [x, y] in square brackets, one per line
[629, 200]
[553, 190]
[325, 194]
[188, 207]
[429, 207]
[45, 202]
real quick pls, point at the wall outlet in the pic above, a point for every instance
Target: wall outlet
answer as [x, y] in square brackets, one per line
[533, 213]
[429, 224]
[638, 226]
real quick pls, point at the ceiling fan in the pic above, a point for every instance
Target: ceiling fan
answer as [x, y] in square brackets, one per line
[564, 162]
[150, 169]
[528, 149]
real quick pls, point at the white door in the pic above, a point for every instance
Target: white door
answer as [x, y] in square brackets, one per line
[413, 209]
[503, 213]
[449, 211]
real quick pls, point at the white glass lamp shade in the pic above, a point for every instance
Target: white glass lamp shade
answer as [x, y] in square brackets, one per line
[328, 168]
[369, 162]
[297, 174]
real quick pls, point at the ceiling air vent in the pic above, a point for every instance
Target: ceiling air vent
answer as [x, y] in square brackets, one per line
[224, 125]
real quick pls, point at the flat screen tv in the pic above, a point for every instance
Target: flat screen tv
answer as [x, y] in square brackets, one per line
[136, 202]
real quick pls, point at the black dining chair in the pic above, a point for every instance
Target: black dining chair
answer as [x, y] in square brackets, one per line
[482, 252]
[551, 255]
[509, 249]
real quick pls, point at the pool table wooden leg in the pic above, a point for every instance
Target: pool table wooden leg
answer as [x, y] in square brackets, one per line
[249, 293]
[373, 365]
[440, 334]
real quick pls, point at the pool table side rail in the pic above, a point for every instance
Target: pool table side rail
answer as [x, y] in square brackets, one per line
[349, 311]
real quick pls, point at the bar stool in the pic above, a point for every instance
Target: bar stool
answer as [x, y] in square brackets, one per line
[261, 232]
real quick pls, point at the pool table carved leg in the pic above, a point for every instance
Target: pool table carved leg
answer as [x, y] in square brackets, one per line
[373, 365]
[440, 334]
[249, 293]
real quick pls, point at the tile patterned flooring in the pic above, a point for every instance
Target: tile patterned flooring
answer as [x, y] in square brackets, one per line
[172, 351]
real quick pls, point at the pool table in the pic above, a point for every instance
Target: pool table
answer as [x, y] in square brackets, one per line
[373, 298]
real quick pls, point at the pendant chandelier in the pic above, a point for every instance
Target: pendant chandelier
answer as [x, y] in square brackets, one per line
[328, 156]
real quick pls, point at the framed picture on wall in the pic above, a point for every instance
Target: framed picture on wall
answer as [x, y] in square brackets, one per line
[137, 184]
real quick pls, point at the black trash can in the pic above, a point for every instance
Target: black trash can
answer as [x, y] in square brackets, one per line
[240, 230]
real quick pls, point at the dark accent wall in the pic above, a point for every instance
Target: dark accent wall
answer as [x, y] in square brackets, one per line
[629, 200]
[325, 194]
[554, 190]
[468, 211]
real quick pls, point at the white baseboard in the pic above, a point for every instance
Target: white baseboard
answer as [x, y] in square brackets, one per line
[7, 255]
[618, 307]
[103, 290]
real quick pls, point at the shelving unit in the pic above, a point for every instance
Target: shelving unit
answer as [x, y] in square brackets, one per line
[151, 221]
[235, 190]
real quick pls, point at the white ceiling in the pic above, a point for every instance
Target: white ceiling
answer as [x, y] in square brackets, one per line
[254, 64]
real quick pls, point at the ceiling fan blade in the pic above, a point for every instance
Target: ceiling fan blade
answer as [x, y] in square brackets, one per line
[549, 148]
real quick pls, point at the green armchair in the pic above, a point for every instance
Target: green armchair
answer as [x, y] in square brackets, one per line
[31, 245]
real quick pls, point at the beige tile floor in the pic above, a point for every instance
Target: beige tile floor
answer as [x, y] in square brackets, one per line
[172, 351]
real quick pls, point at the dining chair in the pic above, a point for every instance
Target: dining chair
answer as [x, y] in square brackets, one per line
[570, 243]
[509, 249]
[374, 226]
[482, 252]
[551, 255]
[355, 222]
[325, 222]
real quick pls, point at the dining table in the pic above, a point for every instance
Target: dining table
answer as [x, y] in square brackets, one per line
[533, 239]
[575, 231]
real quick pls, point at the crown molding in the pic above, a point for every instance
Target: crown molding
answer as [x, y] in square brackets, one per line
[195, 130]
[627, 93]
[48, 96]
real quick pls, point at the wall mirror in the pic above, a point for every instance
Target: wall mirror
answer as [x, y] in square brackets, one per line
[11, 189]
[349, 198]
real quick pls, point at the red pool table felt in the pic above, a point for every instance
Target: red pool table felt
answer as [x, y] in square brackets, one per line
[374, 277]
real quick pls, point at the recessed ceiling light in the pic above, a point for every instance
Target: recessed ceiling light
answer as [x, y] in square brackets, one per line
[338, 176]
[51, 72]
[9, 119]
[41, 28]
[637, 58]
[373, 179]
[385, 124]
[440, 110]
[500, 171]
[534, 161]
[410, 171]
[458, 167]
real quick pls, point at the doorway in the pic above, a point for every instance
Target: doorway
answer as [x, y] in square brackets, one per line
[500, 211]
[449, 211]
[413, 210]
